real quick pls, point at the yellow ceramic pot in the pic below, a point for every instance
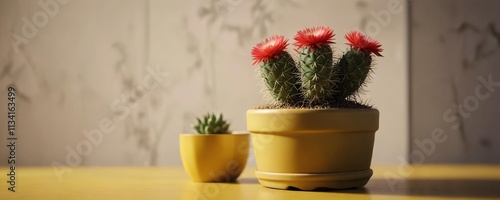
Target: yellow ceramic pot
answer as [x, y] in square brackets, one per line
[313, 148]
[214, 157]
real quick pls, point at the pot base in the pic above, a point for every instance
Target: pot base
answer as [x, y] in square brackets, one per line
[343, 180]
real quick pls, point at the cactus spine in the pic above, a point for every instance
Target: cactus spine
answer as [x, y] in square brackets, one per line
[280, 78]
[316, 63]
[319, 81]
[353, 68]
[278, 70]
[316, 73]
[355, 65]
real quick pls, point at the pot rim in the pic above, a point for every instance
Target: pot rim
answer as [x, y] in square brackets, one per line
[287, 121]
[315, 109]
[214, 135]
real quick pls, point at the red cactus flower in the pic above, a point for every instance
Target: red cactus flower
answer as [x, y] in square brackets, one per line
[363, 43]
[314, 37]
[270, 48]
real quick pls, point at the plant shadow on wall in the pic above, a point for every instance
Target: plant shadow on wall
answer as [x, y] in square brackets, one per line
[203, 45]
[13, 73]
[261, 13]
[145, 107]
[484, 44]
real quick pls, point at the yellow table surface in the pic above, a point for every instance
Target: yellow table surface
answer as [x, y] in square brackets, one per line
[424, 182]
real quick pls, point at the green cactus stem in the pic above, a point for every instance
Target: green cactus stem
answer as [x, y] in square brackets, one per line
[317, 73]
[280, 76]
[353, 70]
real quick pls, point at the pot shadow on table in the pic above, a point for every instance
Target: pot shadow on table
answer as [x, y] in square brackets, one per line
[247, 181]
[473, 188]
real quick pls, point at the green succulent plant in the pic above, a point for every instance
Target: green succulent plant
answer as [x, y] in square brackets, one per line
[211, 124]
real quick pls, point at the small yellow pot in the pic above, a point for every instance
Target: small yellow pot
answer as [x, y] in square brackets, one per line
[214, 157]
[313, 148]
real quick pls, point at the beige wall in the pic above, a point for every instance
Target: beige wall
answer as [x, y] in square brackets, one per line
[455, 44]
[79, 69]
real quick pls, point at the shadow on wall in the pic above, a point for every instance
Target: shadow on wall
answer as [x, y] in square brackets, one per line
[455, 81]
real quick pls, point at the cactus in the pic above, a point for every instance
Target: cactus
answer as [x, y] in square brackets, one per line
[321, 82]
[316, 63]
[355, 65]
[278, 70]
[210, 124]
[353, 68]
